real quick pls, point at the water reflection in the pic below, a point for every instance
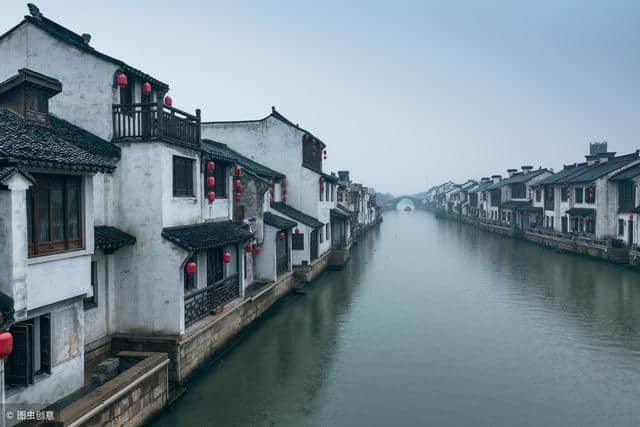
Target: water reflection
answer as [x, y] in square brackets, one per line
[436, 323]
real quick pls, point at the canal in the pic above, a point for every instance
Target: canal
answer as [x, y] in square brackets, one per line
[435, 323]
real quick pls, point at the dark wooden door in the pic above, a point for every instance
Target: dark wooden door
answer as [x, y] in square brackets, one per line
[314, 245]
[565, 224]
[630, 232]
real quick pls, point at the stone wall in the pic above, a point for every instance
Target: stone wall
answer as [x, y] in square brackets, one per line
[127, 400]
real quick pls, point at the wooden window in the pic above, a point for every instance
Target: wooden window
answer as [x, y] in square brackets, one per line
[321, 189]
[564, 193]
[627, 196]
[91, 299]
[297, 242]
[31, 354]
[54, 220]
[215, 266]
[36, 105]
[328, 188]
[190, 280]
[126, 93]
[578, 195]
[221, 181]
[590, 195]
[518, 191]
[182, 177]
[538, 194]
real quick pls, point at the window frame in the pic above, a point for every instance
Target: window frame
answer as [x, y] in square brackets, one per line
[297, 242]
[185, 189]
[37, 246]
[579, 195]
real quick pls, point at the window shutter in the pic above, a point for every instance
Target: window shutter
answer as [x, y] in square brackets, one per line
[45, 343]
[19, 364]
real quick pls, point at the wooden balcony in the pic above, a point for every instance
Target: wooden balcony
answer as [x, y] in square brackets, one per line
[155, 120]
[201, 302]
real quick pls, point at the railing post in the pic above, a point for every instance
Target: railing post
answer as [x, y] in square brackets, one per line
[198, 121]
[160, 107]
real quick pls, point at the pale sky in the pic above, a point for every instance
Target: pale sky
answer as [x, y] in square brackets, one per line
[405, 94]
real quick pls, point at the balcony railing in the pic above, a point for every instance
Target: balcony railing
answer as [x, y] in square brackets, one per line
[154, 120]
[202, 302]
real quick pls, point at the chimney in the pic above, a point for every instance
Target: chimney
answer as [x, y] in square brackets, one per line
[496, 178]
[485, 179]
[511, 172]
[597, 147]
[27, 94]
[526, 169]
[86, 37]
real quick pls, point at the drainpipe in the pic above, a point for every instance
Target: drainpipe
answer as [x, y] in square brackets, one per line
[114, 397]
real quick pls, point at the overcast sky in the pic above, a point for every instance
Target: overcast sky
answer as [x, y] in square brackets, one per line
[405, 94]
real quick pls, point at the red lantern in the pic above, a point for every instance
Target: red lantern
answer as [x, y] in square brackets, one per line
[6, 344]
[630, 217]
[211, 196]
[249, 247]
[168, 101]
[211, 181]
[281, 235]
[321, 179]
[238, 196]
[226, 257]
[211, 166]
[297, 230]
[238, 185]
[237, 170]
[146, 88]
[191, 268]
[271, 190]
[122, 80]
[306, 136]
[258, 249]
[271, 182]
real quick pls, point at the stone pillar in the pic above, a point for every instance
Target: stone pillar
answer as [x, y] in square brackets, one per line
[13, 242]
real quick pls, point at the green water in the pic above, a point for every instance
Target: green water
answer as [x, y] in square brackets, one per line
[435, 323]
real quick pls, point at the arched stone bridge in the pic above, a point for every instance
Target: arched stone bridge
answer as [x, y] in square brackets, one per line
[411, 201]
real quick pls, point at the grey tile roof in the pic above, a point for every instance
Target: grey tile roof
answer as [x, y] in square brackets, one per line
[278, 222]
[561, 176]
[222, 152]
[59, 145]
[628, 173]
[599, 170]
[108, 237]
[517, 178]
[203, 236]
[296, 215]
[346, 209]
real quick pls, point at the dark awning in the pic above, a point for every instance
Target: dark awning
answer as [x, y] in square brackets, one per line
[340, 213]
[581, 212]
[198, 237]
[345, 209]
[292, 212]
[278, 221]
[107, 237]
[516, 204]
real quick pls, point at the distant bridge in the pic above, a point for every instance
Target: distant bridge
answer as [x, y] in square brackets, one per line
[411, 201]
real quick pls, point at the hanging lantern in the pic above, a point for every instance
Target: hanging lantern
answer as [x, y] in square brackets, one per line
[630, 217]
[211, 195]
[191, 268]
[257, 249]
[237, 170]
[238, 196]
[211, 181]
[321, 180]
[281, 235]
[238, 185]
[297, 230]
[249, 248]
[168, 101]
[211, 166]
[146, 88]
[226, 257]
[271, 182]
[271, 190]
[306, 136]
[6, 344]
[122, 80]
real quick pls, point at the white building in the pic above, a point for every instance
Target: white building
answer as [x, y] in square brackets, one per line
[311, 194]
